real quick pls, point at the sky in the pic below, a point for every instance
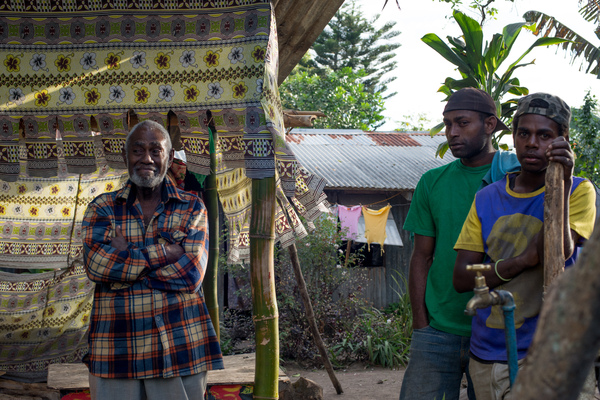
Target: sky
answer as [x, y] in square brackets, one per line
[421, 70]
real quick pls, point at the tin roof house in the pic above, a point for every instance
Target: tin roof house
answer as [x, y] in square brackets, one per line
[373, 169]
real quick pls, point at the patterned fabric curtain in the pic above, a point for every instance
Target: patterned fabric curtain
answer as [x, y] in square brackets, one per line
[71, 69]
[43, 320]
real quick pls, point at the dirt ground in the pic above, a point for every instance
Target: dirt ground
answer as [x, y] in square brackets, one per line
[358, 382]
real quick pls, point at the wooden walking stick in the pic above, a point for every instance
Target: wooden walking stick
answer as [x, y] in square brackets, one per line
[311, 318]
[554, 256]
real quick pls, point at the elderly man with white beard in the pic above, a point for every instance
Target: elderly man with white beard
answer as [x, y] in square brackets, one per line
[146, 248]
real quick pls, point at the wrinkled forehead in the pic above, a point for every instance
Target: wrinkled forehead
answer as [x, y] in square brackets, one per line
[148, 137]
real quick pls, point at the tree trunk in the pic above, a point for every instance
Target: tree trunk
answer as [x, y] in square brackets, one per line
[264, 301]
[567, 337]
[209, 285]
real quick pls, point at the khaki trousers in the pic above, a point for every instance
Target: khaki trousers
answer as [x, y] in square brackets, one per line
[490, 381]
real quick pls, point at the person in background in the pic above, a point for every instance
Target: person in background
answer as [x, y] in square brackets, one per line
[439, 353]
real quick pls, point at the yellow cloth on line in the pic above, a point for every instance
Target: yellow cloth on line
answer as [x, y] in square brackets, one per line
[375, 222]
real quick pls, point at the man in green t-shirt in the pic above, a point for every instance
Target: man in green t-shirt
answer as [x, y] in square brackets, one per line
[439, 352]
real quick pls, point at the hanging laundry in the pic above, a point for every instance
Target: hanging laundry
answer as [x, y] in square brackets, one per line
[332, 212]
[349, 220]
[375, 222]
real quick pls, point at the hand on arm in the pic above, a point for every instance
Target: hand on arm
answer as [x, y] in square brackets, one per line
[174, 252]
[464, 280]
[420, 263]
[119, 242]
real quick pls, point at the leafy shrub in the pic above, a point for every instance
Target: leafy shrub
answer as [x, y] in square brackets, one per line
[351, 329]
[237, 332]
[381, 337]
[334, 288]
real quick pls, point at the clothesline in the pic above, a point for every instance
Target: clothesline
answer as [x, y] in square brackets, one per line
[377, 202]
[368, 205]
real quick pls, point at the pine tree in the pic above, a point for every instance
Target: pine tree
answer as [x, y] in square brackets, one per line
[350, 40]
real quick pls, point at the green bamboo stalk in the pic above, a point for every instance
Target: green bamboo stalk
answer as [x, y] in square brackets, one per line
[264, 301]
[209, 284]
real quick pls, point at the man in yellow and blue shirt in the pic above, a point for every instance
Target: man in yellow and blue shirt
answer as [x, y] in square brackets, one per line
[504, 227]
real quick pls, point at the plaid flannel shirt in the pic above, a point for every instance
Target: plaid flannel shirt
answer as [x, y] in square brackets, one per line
[149, 318]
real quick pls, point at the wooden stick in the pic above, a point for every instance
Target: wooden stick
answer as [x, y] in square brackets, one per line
[348, 248]
[311, 318]
[554, 256]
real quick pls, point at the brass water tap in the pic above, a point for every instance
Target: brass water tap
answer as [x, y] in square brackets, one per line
[482, 297]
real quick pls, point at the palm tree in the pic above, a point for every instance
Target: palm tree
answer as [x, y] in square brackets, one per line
[479, 65]
[579, 48]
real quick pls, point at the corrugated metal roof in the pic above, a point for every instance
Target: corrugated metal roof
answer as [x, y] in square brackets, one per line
[357, 159]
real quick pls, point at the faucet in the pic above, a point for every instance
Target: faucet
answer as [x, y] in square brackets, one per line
[482, 298]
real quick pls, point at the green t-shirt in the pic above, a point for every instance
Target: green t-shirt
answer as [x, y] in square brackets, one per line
[438, 209]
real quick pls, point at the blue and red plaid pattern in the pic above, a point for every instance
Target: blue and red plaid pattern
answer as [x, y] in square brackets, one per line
[149, 318]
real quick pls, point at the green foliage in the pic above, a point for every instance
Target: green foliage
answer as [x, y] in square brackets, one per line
[586, 141]
[334, 290]
[388, 338]
[413, 123]
[578, 48]
[350, 40]
[482, 6]
[340, 95]
[351, 329]
[479, 66]
[381, 337]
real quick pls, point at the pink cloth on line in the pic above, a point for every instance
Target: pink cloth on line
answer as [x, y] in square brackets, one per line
[349, 220]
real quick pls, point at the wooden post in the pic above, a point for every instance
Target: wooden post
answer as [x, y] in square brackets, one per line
[311, 318]
[264, 300]
[348, 248]
[554, 256]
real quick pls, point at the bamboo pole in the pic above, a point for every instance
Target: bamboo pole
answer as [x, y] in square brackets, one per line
[209, 284]
[554, 256]
[264, 301]
[311, 318]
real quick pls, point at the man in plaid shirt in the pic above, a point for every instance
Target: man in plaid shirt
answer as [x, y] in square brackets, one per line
[146, 248]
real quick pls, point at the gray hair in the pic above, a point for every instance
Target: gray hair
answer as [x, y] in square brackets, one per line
[151, 126]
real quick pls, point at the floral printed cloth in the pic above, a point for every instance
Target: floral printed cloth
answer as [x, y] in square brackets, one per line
[76, 74]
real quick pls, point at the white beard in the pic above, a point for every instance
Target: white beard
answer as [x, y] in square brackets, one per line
[148, 182]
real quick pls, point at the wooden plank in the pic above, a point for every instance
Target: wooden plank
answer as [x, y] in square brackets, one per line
[10, 389]
[73, 376]
[299, 23]
[239, 370]
[376, 290]
[554, 257]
